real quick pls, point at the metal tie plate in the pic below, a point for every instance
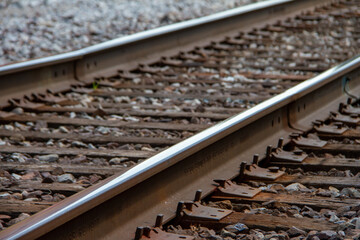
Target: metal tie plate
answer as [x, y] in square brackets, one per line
[82, 90]
[171, 62]
[348, 109]
[27, 105]
[107, 83]
[285, 156]
[330, 129]
[354, 119]
[228, 188]
[198, 211]
[128, 75]
[50, 98]
[256, 172]
[307, 142]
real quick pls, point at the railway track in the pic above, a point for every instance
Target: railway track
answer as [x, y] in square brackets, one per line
[93, 137]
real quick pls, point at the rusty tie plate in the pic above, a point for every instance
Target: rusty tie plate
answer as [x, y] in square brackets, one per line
[285, 156]
[230, 189]
[198, 211]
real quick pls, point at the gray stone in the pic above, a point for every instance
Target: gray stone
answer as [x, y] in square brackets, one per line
[47, 198]
[17, 196]
[351, 192]
[343, 209]
[357, 223]
[311, 214]
[348, 173]
[57, 171]
[18, 110]
[20, 218]
[103, 130]
[277, 187]
[19, 157]
[327, 212]
[49, 158]
[5, 195]
[49, 179]
[207, 233]
[32, 194]
[295, 187]
[259, 235]
[78, 144]
[349, 214]
[66, 178]
[90, 146]
[225, 233]
[335, 190]
[353, 221]
[334, 218]
[31, 200]
[355, 208]
[341, 234]
[239, 207]
[343, 225]
[118, 161]
[275, 236]
[9, 127]
[324, 193]
[50, 143]
[63, 129]
[294, 232]
[237, 228]
[16, 176]
[129, 164]
[324, 235]
[17, 137]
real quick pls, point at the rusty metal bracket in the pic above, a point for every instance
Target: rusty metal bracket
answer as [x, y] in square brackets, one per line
[285, 156]
[171, 62]
[234, 41]
[158, 234]
[347, 119]
[196, 57]
[228, 188]
[307, 142]
[128, 75]
[255, 172]
[26, 104]
[82, 90]
[194, 210]
[348, 109]
[107, 83]
[50, 98]
[149, 69]
[337, 129]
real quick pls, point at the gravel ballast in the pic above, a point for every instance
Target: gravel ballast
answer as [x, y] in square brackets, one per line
[38, 28]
